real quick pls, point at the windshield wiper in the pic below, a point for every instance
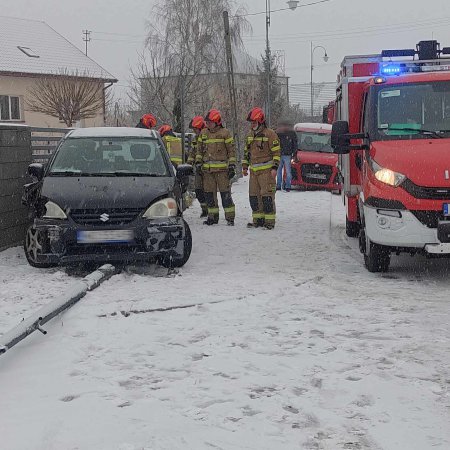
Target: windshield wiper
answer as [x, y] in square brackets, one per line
[132, 174]
[435, 134]
[65, 173]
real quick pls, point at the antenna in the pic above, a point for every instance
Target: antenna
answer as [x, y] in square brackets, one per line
[87, 39]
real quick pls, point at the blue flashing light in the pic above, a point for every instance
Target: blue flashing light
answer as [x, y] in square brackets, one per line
[391, 70]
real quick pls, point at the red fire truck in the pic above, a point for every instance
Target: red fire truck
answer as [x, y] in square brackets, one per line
[392, 134]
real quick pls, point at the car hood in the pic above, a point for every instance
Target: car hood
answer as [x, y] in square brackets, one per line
[105, 192]
[424, 161]
[317, 157]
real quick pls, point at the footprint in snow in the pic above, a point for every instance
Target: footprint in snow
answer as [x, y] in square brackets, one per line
[69, 398]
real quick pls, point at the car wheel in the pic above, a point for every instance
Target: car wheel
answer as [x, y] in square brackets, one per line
[171, 262]
[351, 228]
[377, 258]
[34, 245]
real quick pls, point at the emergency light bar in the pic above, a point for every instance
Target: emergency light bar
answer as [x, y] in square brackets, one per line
[398, 69]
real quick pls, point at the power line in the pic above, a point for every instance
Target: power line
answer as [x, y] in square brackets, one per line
[281, 9]
[332, 35]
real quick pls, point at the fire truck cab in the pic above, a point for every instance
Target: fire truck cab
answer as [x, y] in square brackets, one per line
[392, 134]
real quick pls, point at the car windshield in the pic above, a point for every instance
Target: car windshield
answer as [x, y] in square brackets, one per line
[413, 111]
[314, 142]
[113, 156]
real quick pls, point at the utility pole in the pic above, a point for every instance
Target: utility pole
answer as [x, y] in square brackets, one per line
[86, 39]
[312, 85]
[268, 62]
[231, 85]
[183, 132]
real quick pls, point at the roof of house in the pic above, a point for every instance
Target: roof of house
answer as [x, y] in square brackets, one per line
[33, 47]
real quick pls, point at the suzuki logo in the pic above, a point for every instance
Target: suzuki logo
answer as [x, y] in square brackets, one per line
[104, 217]
[447, 176]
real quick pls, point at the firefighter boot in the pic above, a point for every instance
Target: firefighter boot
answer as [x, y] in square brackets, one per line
[211, 221]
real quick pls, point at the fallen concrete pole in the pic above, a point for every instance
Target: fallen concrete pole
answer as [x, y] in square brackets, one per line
[76, 292]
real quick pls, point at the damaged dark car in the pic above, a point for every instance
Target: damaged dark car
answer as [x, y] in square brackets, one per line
[107, 195]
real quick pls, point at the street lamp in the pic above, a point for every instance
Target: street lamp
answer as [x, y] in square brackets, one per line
[292, 4]
[325, 58]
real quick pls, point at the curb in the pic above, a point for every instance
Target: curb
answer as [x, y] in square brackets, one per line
[76, 292]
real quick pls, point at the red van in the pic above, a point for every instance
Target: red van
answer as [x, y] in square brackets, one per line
[315, 165]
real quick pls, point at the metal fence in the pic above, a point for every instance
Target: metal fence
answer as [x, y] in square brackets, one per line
[44, 142]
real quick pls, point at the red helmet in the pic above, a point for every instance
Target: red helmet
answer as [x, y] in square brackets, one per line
[197, 122]
[164, 129]
[148, 120]
[214, 116]
[256, 115]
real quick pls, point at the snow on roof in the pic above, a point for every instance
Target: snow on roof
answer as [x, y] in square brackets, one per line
[312, 126]
[33, 47]
[112, 132]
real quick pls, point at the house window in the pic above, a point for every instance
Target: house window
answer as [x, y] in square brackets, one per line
[28, 51]
[9, 108]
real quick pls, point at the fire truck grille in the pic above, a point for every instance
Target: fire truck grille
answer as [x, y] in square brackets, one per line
[429, 193]
[316, 173]
[429, 218]
[99, 217]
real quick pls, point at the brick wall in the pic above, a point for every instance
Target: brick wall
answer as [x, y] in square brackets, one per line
[15, 156]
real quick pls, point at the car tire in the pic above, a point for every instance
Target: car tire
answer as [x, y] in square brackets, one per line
[377, 258]
[171, 262]
[34, 244]
[351, 228]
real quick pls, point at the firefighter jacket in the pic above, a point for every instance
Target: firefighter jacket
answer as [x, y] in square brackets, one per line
[174, 148]
[216, 150]
[193, 150]
[262, 150]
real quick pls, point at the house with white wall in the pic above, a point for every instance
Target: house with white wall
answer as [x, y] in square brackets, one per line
[31, 50]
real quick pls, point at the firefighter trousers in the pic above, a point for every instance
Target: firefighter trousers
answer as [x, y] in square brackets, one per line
[262, 190]
[200, 192]
[214, 182]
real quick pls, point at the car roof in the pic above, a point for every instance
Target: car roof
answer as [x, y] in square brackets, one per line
[325, 127]
[116, 132]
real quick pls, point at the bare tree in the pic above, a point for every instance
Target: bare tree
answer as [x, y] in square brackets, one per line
[184, 45]
[118, 113]
[69, 97]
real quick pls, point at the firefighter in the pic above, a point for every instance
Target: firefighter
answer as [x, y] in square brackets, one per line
[172, 143]
[147, 121]
[262, 158]
[197, 124]
[216, 158]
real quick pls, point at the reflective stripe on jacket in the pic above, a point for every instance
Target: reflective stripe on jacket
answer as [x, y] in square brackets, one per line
[215, 150]
[262, 150]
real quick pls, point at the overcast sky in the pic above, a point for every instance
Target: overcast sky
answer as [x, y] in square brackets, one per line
[387, 24]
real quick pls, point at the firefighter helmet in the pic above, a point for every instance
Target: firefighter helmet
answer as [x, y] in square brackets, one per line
[197, 122]
[214, 116]
[256, 115]
[148, 120]
[164, 129]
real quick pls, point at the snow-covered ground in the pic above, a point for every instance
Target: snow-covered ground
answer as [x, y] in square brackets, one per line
[289, 344]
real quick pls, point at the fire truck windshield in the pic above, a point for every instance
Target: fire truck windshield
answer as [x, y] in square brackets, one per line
[314, 142]
[413, 111]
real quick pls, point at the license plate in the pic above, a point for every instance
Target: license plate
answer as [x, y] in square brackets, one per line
[105, 236]
[447, 209]
[317, 176]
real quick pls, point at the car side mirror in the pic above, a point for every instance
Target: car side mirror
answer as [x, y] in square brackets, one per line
[36, 170]
[340, 138]
[184, 171]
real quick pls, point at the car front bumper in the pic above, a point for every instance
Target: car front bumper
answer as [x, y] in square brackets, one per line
[150, 239]
[403, 231]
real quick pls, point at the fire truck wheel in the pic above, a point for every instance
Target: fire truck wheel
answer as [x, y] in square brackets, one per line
[377, 258]
[351, 228]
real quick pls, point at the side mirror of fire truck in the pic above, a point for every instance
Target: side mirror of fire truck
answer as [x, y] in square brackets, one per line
[340, 137]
